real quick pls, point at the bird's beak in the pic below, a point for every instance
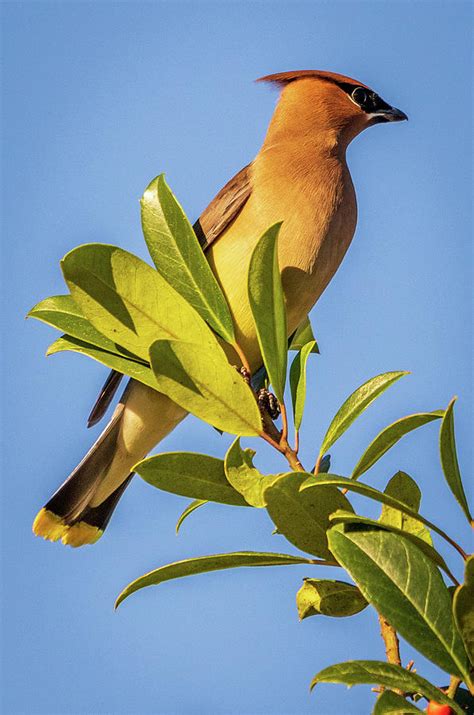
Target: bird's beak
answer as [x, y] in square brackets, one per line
[391, 114]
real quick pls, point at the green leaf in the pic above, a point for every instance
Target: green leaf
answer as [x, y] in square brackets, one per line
[463, 608]
[405, 587]
[343, 517]
[376, 672]
[204, 564]
[244, 476]
[355, 404]
[61, 312]
[390, 436]
[298, 381]
[449, 460]
[138, 370]
[199, 378]
[303, 516]
[188, 474]
[179, 258]
[128, 301]
[328, 598]
[196, 504]
[353, 486]
[302, 336]
[390, 703]
[402, 487]
[268, 308]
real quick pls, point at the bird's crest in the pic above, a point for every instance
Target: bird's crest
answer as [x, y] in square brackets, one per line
[284, 78]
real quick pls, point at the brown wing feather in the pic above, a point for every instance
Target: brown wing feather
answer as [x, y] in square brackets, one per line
[104, 398]
[222, 210]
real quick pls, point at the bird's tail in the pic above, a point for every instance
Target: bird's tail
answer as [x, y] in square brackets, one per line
[79, 511]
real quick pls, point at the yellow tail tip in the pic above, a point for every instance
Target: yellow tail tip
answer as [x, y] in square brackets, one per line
[48, 525]
[81, 534]
[51, 527]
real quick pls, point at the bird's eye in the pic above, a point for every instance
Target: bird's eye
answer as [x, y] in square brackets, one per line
[359, 95]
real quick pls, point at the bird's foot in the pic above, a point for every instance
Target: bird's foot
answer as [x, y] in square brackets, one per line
[245, 374]
[268, 403]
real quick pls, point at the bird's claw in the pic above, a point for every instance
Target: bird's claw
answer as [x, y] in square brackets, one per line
[267, 402]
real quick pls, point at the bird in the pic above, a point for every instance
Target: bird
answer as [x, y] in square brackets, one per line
[299, 177]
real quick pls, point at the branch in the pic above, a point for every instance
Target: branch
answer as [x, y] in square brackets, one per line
[454, 684]
[278, 440]
[392, 646]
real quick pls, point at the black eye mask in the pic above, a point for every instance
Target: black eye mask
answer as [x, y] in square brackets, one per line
[366, 99]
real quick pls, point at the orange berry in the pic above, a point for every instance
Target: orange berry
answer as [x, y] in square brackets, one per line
[437, 709]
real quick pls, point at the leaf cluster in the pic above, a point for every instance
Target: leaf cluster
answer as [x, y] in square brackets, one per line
[170, 327]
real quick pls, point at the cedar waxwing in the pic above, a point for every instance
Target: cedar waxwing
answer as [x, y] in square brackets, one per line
[299, 177]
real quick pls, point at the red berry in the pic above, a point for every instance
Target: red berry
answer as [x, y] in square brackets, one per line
[437, 709]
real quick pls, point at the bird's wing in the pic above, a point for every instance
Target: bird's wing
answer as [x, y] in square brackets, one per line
[222, 210]
[104, 398]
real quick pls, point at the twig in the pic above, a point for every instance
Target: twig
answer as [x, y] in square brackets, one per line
[292, 459]
[284, 421]
[297, 441]
[454, 684]
[243, 359]
[272, 442]
[392, 646]
[390, 638]
[277, 440]
[451, 541]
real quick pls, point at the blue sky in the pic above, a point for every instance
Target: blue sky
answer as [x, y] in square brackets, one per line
[99, 98]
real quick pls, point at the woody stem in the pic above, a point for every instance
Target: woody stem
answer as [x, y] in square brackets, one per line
[242, 357]
[390, 638]
[275, 438]
[454, 683]
[284, 420]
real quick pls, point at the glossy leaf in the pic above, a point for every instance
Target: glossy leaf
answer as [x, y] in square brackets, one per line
[463, 608]
[376, 672]
[128, 301]
[449, 460]
[298, 381]
[179, 258]
[403, 488]
[390, 703]
[302, 336]
[138, 370]
[303, 516]
[188, 474]
[244, 476]
[386, 439]
[355, 404]
[405, 587]
[343, 517]
[200, 379]
[63, 313]
[351, 485]
[204, 564]
[196, 504]
[268, 308]
[328, 598]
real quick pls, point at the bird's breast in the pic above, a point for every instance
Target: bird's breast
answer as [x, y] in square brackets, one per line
[315, 200]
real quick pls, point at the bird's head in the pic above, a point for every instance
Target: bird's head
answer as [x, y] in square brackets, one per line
[314, 100]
